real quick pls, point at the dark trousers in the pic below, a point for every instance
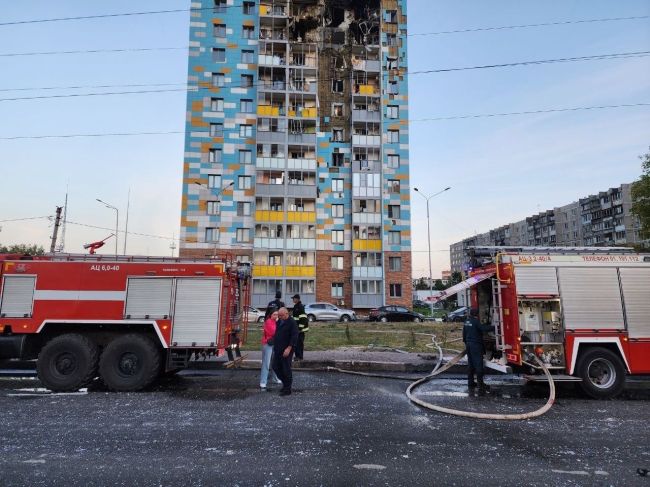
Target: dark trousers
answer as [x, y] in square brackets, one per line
[475, 360]
[282, 368]
[300, 346]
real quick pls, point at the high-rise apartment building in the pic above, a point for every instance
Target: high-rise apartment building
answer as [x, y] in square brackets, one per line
[296, 146]
[604, 219]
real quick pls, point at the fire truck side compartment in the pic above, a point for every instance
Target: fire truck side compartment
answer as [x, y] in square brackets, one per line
[17, 296]
[196, 312]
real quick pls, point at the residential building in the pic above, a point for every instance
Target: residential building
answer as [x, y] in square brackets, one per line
[296, 148]
[604, 219]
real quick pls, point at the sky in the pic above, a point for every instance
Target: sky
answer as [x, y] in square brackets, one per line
[500, 169]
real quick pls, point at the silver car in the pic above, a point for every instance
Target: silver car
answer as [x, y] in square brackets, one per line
[328, 312]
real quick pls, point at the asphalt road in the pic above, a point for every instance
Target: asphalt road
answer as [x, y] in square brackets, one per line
[335, 430]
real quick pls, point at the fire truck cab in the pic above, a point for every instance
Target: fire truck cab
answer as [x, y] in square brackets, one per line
[126, 320]
[584, 312]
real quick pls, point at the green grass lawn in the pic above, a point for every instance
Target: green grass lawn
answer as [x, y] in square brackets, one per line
[410, 337]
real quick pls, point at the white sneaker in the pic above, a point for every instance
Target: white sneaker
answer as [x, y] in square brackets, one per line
[262, 386]
[277, 381]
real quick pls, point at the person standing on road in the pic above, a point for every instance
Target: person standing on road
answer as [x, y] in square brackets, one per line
[301, 318]
[268, 333]
[473, 339]
[274, 305]
[284, 344]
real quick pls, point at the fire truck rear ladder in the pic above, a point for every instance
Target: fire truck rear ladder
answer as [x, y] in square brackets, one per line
[497, 316]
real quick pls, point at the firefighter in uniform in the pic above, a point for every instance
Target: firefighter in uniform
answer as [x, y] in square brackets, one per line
[300, 317]
[473, 339]
[274, 305]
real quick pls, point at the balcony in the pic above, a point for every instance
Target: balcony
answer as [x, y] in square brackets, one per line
[271, 137]
[366, 90]
[366, 116]
[304, 164]
[366, 218]
[269, 111]
[366, 300]
[366, 65]
[271, 60]
[269, 216]
[269, 243]
[311, 112]
[367, 140]
[300, 271]
[273, 11]
[301, 216]
[270, 162]
[365, 245]
[301, 244]
[270, 190]
[364, 165]
[304, 139]
[301, 191]
[368, 272]
[268, 271]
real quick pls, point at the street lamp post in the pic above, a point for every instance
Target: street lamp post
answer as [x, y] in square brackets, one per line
[427, 198]
[117, 221]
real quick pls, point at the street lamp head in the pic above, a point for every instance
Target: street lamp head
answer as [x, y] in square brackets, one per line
[416, 189]
[447, 188]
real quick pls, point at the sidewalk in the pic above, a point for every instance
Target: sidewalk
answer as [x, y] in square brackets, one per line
[352, 358]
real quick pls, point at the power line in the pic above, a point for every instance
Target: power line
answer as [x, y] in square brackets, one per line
[528, 112]
[435, 119]
[597, 57]
[83, 87]
[525, 26]
[25, 219]
[92, 51]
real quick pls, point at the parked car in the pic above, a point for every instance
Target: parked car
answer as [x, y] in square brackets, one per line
[255, 315]
[328, 312]
[394, 313]
[457, 315]
[419, 304]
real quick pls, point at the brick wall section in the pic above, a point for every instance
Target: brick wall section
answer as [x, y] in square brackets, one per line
[326, 276]
[402, 277]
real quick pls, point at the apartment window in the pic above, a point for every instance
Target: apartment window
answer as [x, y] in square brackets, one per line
[243, 208]
[246, 106]
[395, 290]
[218, 80]
[337, 109]
[248, 57]
[248, 8]
[393, 186]
[337, 185]
[390, 16]
[248, 32]
[216, 104]
[246, 80]
[337, 159]
[211, 234]
[392, 63]
[219, 30]
[394, 211]
[395, 264]
[214, 181]
[393, 136]
[245, 130]
[393, 161]
[392, 111]
[391, 39]
[394, 238]
[215, 155]
[337, 263]
[337, 86]
[216, 130]
[337, 135]
[245, 157]
[337, 211]
[337, 289]
[337, 237]
[220, 6]
[243, 235]
[393, 88]
[244, 182]
[212, 208]
[218, 55]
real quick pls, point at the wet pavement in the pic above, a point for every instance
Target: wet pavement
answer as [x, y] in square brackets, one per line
[217, 428]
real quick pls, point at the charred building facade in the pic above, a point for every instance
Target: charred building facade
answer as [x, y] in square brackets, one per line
[296, 146]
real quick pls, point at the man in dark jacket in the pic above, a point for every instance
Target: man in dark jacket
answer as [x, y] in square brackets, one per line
[284, 344]
[473, 339]
[274, 305]
[301, 318]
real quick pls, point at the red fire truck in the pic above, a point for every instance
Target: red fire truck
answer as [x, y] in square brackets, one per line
[584, 312]
[124, 319]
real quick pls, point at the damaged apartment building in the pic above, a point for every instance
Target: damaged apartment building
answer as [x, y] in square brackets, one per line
[296, 147]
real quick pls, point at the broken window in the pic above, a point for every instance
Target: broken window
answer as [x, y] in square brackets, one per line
[337, 159]
[337, 109]
[337, 86]
[337, 135]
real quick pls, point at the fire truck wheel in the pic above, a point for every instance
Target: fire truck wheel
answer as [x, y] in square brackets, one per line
[67, 363]
[602, 373]
[130, 363]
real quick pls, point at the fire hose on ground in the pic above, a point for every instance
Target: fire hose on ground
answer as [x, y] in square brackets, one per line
[457, 412]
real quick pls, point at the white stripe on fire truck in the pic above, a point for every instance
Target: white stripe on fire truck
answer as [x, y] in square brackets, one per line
[52, 295]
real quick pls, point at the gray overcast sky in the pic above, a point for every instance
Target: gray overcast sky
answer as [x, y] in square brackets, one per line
[500, 168]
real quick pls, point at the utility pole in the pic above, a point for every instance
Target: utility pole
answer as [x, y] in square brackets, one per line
[57, 222]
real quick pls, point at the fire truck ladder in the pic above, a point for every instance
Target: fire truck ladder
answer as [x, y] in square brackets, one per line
[497, 315]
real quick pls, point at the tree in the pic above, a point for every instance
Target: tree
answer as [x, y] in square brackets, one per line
[641, 196]
[421, 284]
[22, 249]
[438, 285]
[456, 277]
